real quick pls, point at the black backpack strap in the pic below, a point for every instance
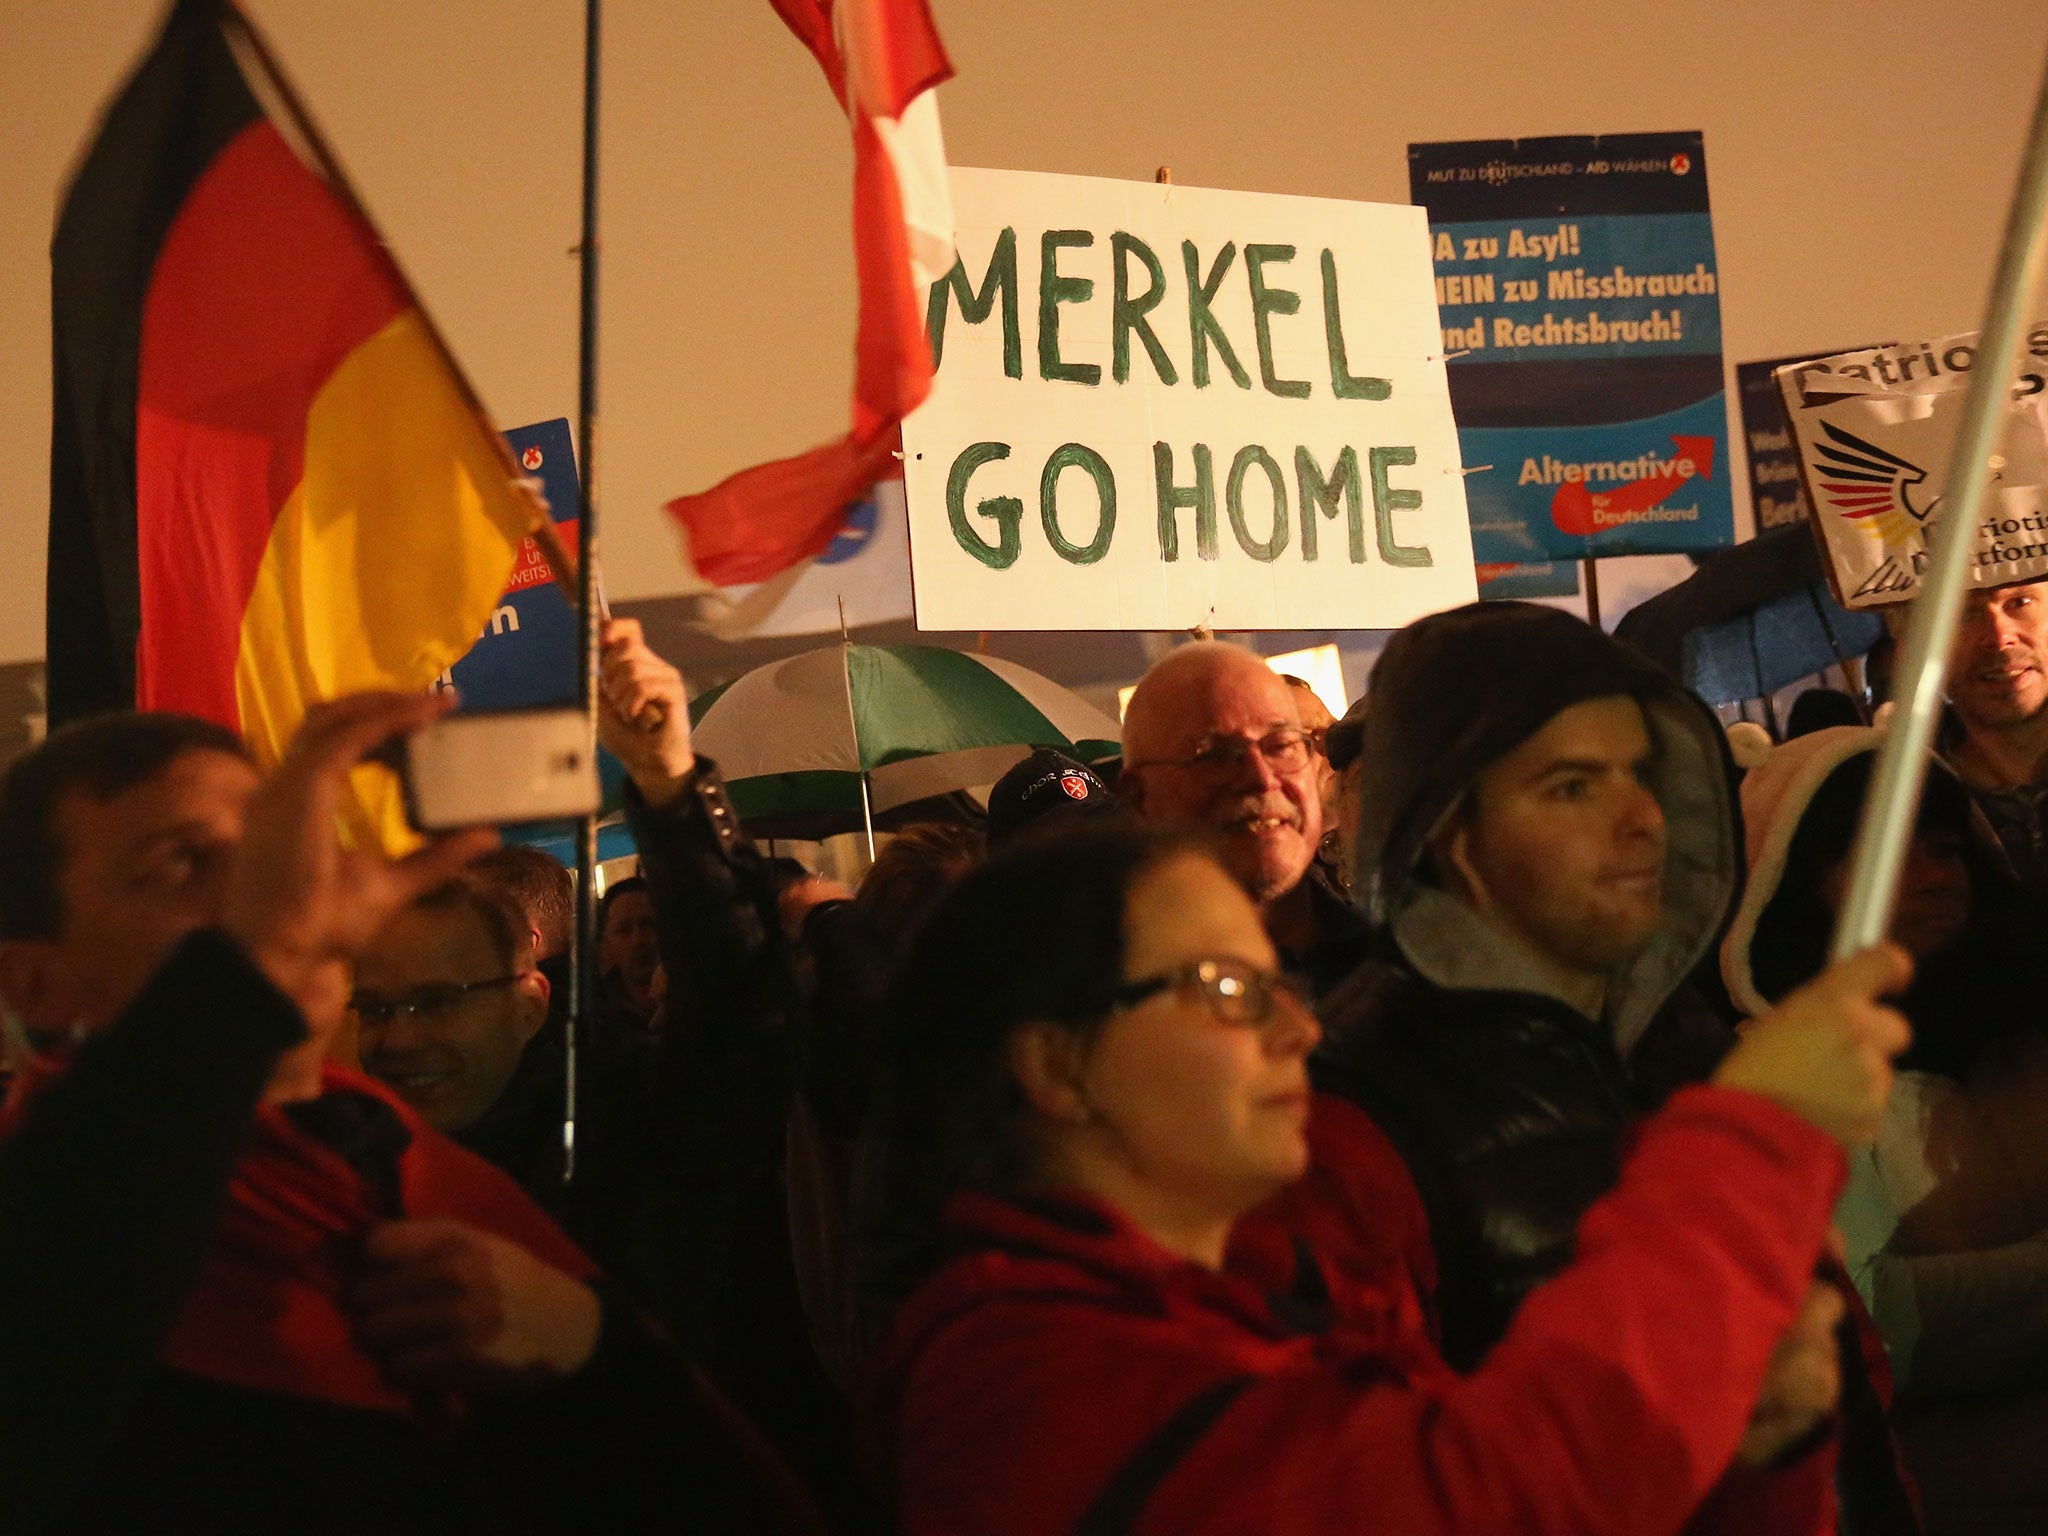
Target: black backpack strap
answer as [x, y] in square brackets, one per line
[1117, 1508]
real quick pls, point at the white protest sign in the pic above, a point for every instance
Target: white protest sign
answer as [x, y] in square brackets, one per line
[1159, 407]
[1875, 429]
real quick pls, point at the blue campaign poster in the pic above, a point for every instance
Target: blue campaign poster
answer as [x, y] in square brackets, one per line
[527, 654]
[1580, 305]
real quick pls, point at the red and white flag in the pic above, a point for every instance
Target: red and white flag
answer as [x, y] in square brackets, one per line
[883, 59]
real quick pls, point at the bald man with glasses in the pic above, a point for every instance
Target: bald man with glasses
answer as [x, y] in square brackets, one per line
[1214, 739]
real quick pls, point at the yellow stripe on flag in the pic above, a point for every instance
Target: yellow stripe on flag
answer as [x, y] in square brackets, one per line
[386, 561]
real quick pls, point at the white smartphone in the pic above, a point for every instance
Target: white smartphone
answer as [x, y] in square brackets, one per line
[490, 769]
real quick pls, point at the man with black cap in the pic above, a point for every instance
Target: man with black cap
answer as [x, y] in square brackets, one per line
[1048, 789]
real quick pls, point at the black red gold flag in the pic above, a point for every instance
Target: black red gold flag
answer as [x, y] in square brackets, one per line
[268, 484]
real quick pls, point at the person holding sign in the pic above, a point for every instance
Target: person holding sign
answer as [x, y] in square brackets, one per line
[1546, 830]
[1547, 834]
[1100, 1074]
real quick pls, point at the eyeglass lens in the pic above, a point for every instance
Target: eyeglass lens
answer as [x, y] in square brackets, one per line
[1287, 751]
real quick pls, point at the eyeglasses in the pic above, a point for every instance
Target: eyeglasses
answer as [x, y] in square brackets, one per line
[1235, 991]
[1285, 751]
[425, 1003]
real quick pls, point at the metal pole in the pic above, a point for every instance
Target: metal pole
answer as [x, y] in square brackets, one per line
[867, 815]
[583, 954]
[1889, 812]
[867, 810]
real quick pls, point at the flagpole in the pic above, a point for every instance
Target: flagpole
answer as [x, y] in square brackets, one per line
[867, 808]
[575, 574]
[583, 955]
[1890, 810]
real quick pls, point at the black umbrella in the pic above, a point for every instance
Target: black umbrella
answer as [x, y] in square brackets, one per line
[1751, 620]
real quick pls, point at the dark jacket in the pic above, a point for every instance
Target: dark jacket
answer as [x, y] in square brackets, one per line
[711, 1244]
[106, 1198]
[1510, 1106]
[1064, 1373]
[183, 1362]
[1512, 1112]
[1343, 937]
[522, 1134]
[673, 1137]
[2012, 822]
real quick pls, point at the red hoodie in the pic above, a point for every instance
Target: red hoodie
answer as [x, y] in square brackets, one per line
[1069, 1375]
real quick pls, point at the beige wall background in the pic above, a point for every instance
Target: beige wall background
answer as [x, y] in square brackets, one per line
[1861, 154]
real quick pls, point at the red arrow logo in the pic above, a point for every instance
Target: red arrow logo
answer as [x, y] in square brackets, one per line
[1579, 510]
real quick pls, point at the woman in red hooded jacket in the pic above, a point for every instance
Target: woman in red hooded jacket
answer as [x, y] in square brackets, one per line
[1097, 1074]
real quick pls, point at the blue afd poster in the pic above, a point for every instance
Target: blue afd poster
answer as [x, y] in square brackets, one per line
[1581, 312]
[527, 653]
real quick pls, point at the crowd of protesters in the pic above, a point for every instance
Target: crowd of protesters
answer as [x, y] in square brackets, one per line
[1434, 1119]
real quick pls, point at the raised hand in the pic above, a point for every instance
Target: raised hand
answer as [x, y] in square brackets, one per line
[636, 690]
[1825, 1052]
[300, 903]
[443, 1304]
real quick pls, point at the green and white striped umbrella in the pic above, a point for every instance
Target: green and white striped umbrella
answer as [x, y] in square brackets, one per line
[794, 739]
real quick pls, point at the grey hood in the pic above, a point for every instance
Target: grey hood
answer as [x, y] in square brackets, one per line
[1455, 692]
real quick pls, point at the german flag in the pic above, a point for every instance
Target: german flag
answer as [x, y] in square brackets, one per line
[269, 485]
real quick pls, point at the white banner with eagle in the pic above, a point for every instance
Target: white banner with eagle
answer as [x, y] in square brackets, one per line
[1875, 430]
